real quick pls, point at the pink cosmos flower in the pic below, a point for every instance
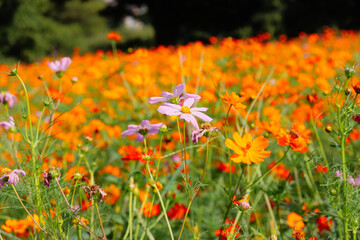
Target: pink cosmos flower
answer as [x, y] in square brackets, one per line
[8, 124]
[351, 180]
[205, 130]
[185, 111]
[8, 98]
[60, 66]
[142, 130]
[11, 178]
[175, 97]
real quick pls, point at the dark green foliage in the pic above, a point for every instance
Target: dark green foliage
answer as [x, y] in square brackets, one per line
[34, 28]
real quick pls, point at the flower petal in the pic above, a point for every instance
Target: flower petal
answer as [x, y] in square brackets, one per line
[154, 100]
[139, 137]
[189, 102]
[202, 116]
[179, 90]
[129, 132]
[170, 111]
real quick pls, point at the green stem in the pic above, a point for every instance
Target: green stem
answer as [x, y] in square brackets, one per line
[267, 173]
[101, 224]
[130, 214]
[319, 140]
[185, 166]
[158, 161]
[230, 203]
[226, 135]
[38, 126]
[197, 190]
[33, 152]
[354, 233]
[161, 202]
[72, 210]
[237, 219]
[187, 211]
[31, 216]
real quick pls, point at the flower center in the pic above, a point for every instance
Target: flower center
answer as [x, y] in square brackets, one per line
[245, 149]
[143, 131]
[185, 109]
[175, 100]
[5, 171]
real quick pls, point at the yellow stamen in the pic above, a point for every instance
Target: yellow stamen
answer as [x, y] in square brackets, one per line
[4, 171]
[185, 109]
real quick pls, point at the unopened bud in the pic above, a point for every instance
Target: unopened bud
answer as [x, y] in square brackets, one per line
[333, 192]
[328, 129]
[74, 80]
[348, 91]
[244, 206]
[77, 175]
[349, 72]
[163, 128]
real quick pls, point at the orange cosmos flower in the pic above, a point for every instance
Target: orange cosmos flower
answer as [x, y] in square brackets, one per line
[248, 150]
[234, 100]
[297, 138]
[177, 212]
[150, 210]
[114, 36]
[356, 85]
[295, 220]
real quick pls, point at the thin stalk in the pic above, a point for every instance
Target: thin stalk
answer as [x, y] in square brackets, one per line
[237, 219]
[354, 233]
[230, 203]
[313, 123]
[226, 135]
[130, 214]
[38, 126]
[158, 161]
[72, 210]
[31, 216]
[187, 211]
[141, 209]
[33, 153]
[161, 203]
[184, 143]
[197, 190]
[101, 224]
[278, 219]
[267, 173]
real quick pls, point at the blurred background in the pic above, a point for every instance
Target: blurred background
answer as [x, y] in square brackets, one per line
[31, 29]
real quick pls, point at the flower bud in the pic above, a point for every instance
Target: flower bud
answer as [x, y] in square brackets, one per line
[333, 192]
[348, 91]
[244, 206]
[163, 128]
[74, 80]
[13, 72]
[77, 176]
[328, 129]
[349, 72]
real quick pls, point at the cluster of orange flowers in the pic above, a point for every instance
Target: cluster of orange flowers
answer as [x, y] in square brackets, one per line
[22, 228]
[275, 75]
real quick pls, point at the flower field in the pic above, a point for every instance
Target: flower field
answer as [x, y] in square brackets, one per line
[238, 139]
